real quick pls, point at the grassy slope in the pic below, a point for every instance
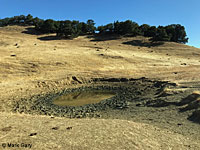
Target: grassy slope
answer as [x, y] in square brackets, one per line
[45, 65]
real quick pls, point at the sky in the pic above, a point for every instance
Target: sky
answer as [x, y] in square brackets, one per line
[152, 12]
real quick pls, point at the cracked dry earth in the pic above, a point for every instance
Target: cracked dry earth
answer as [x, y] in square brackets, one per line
[31, 65]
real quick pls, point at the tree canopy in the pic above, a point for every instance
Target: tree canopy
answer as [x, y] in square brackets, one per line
[72, 29]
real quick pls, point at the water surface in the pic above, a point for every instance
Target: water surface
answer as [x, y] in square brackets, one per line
[82, 98]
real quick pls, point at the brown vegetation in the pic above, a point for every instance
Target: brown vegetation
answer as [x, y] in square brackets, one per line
[30, 66]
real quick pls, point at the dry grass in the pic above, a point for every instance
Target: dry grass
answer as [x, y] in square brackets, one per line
[174, 91]
[196, 93]
[30, 66]
[58, 133]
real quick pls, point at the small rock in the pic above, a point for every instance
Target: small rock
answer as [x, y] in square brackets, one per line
[55, 128]
[138, 105]
[195, 116]
[190, 98]
[150, 119]
[69, 128]
[183, 64]
[6, 129]
[33, 134]
[98, 115]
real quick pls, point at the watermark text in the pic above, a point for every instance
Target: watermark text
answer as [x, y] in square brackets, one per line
[16, 145]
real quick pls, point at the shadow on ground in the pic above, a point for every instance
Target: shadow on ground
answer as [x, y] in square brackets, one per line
[32, 31]
[143, 43]
[49, 38]
[104, 37]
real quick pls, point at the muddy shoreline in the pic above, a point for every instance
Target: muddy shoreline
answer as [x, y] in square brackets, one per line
[126, 90]
[140, 100]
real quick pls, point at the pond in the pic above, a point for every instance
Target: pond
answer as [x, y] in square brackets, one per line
[82, 98]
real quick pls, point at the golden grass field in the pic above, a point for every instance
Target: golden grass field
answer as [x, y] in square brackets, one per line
[31, 64]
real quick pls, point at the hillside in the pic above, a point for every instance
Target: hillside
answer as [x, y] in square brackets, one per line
[32, 64]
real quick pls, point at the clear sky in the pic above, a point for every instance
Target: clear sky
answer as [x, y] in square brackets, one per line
[152, 12]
